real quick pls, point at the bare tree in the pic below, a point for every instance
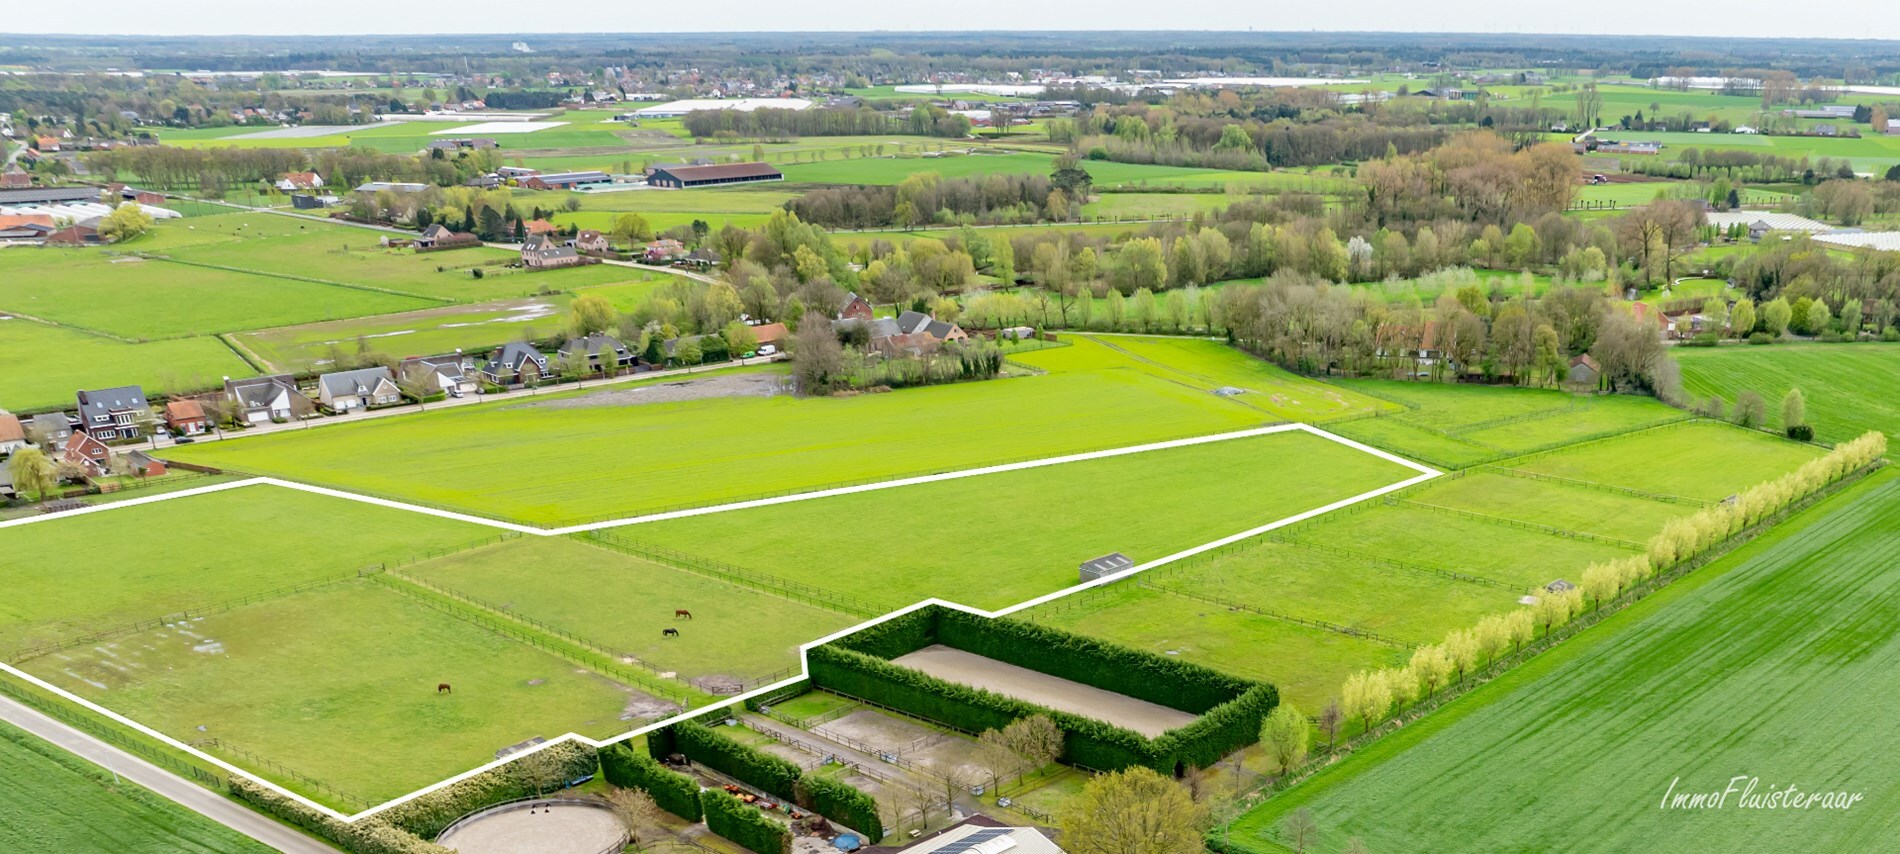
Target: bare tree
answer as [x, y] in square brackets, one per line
[637, 813]
[1299, 831]
[997, 756]
[1035, 738]
[1330, 719]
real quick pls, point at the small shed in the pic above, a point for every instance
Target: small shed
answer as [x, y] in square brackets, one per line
[1106, 565]
[1559, 586]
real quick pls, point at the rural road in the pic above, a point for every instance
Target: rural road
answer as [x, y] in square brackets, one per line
[168, 785]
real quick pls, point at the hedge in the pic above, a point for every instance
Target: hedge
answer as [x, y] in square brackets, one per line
[743, 823]
[896, 636]
[1157, 679]
[842, 803]
[674, 792]
[773, 775]
[367, 836]
[429, 815]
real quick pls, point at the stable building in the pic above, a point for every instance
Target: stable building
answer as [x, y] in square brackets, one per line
[683, 177]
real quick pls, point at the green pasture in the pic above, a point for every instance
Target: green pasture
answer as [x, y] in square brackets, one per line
[202, 550]
[339, 684]
[1566, 506]
[1452, 424]
[62, 360]
[1703, 460]
[1520, 557]
[1208, 365]
[891, 170]
[146, 299]
[1306, 664]
[611, 459]
[1850, 388]
[623, 602]
[57, 802]
[1182, 497]
[1670, 693]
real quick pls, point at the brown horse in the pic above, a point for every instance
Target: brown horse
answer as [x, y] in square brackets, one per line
[669, 633]
[682, 614]
[443, 688]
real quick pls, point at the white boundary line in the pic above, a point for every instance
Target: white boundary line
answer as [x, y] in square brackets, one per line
[1424, 473]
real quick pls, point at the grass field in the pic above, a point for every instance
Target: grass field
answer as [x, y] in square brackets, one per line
[999, 551]
[891, 170]
[602, 461]
[1774, 662]
[339, 684]
[1850, 388]
[62, 360]
[622, 602]
[161, 558]
[1457, 425]
[57, 802]
[1703, 460]
[145, 299]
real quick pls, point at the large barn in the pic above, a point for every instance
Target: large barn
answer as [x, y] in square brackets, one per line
[681, 177]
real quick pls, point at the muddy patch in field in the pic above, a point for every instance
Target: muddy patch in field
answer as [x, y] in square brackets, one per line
[742, 385]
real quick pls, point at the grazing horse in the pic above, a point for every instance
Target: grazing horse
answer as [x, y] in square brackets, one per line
[444, 688]
[669, 633]
[682, 613]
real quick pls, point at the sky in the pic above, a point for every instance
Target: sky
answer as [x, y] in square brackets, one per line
[1763, 18]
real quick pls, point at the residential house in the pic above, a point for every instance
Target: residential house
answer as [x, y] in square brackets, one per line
[270, 398]
[12, 433]
[362, 388]
[664, 251]
[300, 181]
[855, 308]
[588, 350]
[906, 344]
[15, 177]
[438, 236]
[112, 414]
[89, 454]
[589, 240]
[50, 429]
[516, 362]
[448, 374]
[47, 144]
[540, 227]
[771, 333]
[7, 492]
[186, 417]
[917, 322]
[701, 258]
[1583, 371]
[539, 253]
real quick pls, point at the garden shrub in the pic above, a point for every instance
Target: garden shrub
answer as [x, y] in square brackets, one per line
[367, 836]
[716, 750]
[1801, 433]
[629, 769]
[1761, 338]
[842, 803]
[743, 823]
[429, 815]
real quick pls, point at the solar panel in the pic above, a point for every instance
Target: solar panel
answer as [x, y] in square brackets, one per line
[975, 841]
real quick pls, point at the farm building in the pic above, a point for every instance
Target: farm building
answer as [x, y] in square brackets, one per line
[25, 226]
[565, 180]
[681, 177]
[48, 195]
[392, 186]
[980, 834]
[675, 109]
[363, 388]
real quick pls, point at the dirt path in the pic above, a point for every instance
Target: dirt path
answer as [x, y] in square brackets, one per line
[1022, 683]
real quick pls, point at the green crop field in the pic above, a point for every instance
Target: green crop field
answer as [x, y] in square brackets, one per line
[622, 602]
[190, 552]
[1773, 662]
[62, 360]
[604, 460]
[1146, 506]
[339, 684]
[1702, 460]
[146, 299]
[1850, 388]
[891, 170]
[57, 802]
[1208, 365]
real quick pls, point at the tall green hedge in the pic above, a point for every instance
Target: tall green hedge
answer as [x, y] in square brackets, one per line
[1143, 675]
[896, 636]
[842, 803]
[629, 769]
[367, 836]
[743, 823]
[429, 815]
[716, 750]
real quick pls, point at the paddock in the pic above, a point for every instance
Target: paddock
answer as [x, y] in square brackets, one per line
[539, 826]
[976, 671]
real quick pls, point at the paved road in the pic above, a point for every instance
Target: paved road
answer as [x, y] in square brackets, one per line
[171, 786]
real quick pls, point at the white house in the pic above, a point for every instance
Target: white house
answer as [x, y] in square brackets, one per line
[359, 389]
[271, 398]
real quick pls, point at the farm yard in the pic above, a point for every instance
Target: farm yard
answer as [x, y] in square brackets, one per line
[1645, 674]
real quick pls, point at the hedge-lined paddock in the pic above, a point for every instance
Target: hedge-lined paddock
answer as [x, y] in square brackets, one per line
[429, 815]
[841, 802]
[743, 823]
[629, 769]
[369, 836]
[1229, 709]
[773, 775]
